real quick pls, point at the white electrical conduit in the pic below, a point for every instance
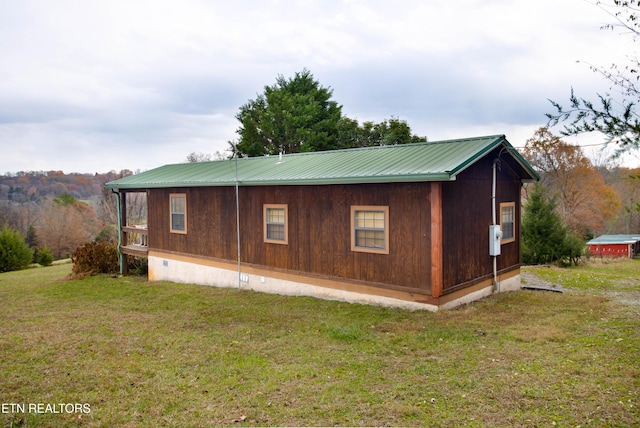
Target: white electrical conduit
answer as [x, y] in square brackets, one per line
[496, 286]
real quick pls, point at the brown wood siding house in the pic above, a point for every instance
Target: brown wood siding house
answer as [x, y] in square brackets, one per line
[403, 226]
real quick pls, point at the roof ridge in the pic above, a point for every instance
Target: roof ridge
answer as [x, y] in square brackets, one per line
[351, 149]
[380, 147]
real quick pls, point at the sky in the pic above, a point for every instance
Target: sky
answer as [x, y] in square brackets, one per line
[101, 85]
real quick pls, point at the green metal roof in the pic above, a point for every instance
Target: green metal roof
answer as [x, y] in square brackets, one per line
[430, 161]
[615, 239]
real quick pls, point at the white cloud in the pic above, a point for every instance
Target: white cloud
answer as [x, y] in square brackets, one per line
[115, 84]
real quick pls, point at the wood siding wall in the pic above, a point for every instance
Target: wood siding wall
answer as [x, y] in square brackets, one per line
[466, 220]
[319, 241]
[319, 230]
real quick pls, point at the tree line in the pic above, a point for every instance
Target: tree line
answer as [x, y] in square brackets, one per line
[33, 186]
[55, 225]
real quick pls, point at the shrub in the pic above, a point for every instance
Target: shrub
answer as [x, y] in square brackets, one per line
[44, 257]
[14, 252]
[574, 249]
[138, 265]
[96, 257]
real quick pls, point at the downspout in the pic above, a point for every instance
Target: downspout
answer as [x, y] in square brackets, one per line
[122, 257]
[496, 284]
[238, 222]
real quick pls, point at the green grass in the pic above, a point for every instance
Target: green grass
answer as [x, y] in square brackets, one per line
[598, 275]
[164, 354]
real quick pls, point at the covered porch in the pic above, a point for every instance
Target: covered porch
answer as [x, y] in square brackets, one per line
[133, 234]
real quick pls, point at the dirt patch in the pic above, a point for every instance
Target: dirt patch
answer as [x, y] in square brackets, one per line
[627, 298]
[529, 279]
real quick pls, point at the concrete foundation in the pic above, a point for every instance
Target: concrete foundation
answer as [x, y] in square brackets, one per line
[187, 272]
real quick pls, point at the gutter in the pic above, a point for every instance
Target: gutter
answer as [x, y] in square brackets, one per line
[116, 192]
[231, 181]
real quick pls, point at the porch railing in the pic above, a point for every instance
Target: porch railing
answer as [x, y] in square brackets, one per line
[135, 240]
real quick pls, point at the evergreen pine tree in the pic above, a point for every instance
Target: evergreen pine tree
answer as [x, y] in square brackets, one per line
[32, 241]
[543, 234]
[14, 252]
[45, 258]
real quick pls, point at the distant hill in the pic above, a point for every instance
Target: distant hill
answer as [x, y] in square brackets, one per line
[37, 185]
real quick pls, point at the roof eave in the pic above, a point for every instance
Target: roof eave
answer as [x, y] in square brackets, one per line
[501, 140]
[444, 176]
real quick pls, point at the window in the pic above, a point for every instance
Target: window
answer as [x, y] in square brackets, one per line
[370, 229]
[178, 202]
[507, 222]
[275, 224]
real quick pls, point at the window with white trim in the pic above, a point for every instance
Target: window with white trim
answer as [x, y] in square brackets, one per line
[508, 222]
[275, 223]
[178, 207]
[370, 229]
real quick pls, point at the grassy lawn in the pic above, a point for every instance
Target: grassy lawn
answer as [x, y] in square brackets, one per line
[163, 354]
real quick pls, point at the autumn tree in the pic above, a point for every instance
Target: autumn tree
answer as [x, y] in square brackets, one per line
[585, 202]
[136, 208]
[616, 117]
[65, 224]
[195, 157]
[626, 182]
[9, 214]
[107, 209]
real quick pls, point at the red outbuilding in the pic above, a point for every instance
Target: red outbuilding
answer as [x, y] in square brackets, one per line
[615, 246]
